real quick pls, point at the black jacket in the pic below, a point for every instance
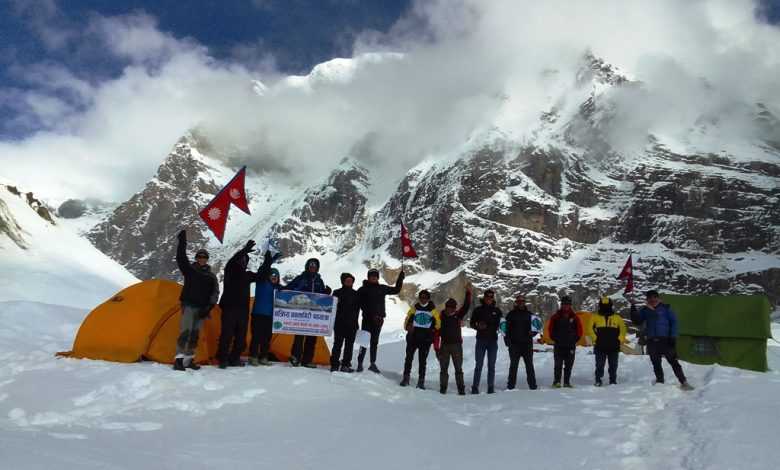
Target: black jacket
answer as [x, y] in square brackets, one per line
[372, 297]
[518, 327]
[201, 287]
[450, 324]
[236, 282]
[491, 315]
[347, 310]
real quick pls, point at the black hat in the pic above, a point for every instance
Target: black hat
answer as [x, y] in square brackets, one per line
[605, 305]
[202, 252]
[651, 293]
[373, 272]
[344, 277]
[313, 261]
[424, 293]
[489, 292]
[451, 303]
[565, 300]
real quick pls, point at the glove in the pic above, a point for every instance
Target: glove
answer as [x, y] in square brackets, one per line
[249, 245]
[276, 256]
[183, 236]
[506, 341]
[328, 290]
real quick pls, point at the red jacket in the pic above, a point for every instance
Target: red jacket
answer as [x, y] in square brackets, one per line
[565, 328]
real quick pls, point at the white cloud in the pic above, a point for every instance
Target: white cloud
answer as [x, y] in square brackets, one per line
[467, 65]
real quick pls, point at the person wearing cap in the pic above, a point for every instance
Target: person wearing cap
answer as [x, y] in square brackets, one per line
[519, 339]
[372, 306]
[302, 352]
[198, 297]
[346, 324]
[235, 308]
[661, 331]
[486, 319]
[451, 342]
[565, 329]
[263, 312]
[610, 331]
[422, 323]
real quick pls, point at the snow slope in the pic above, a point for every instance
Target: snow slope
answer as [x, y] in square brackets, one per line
[68, 413]
[50, 263]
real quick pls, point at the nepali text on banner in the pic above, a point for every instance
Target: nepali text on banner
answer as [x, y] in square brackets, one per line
[303, 313]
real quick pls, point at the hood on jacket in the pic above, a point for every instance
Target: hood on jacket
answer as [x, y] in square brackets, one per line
[605, 306]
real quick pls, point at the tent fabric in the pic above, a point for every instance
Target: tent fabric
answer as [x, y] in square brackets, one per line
[725, 316]
[142, 323]
[730, 330]
[587, 330]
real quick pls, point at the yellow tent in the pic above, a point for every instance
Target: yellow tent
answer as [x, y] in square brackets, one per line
[587, 330]
[142, 323]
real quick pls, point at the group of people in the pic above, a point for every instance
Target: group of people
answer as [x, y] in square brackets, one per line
[425, 325]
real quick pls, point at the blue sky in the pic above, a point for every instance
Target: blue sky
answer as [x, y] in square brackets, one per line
[94, 93]
[289, 35]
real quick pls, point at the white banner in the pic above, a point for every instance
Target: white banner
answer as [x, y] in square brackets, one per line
[303, 313]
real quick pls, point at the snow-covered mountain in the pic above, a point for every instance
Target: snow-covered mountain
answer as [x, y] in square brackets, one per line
[551, 208]
[44, 261]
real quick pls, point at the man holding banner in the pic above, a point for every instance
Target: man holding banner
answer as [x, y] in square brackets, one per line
[309, 280]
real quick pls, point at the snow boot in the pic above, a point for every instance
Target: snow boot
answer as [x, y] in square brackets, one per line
[193, 366]
[443, 389]
[612, 382]
[474, 391]
[405, 381]
[223, 365]
[294, 361]
[237, 363]
[491, 390]
[421, 385]
[656, 381]
[461, 390]
[568, 386]
[598, 383]
[557, 385]
[373, 368]
[178, 364]
[309, 365]
[347, 369]
[263, 361]
[532, 387]
[686, 386]
[254, 362]
[360, 367]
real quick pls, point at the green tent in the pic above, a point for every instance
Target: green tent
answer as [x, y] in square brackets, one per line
[730, 330]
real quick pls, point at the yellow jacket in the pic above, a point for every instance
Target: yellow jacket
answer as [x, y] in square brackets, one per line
[608, 328]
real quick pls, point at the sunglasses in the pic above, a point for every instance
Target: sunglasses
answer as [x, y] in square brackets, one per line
[201, 257]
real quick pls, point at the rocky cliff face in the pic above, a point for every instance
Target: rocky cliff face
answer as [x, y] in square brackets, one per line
[557, 212]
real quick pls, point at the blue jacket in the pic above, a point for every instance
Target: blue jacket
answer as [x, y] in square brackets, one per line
[661, 322]
[308, 282]
[264, 298]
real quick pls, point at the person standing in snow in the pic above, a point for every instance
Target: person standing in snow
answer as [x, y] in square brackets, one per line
[346, 324]
[610, 331]
[198, 297]
[565, 329]
[235, 308]
[309, 280]
[451, 343]
[263, 312]
[661, 330]
[422, 324]
[519, 339]
[372, 305]
[486, 319]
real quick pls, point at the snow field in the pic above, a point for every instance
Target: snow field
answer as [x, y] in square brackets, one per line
[69, 413]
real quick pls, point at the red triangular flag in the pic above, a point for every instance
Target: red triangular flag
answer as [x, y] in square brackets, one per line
[628, 273]
[215, 214]
[235, 189]
[407, 250]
